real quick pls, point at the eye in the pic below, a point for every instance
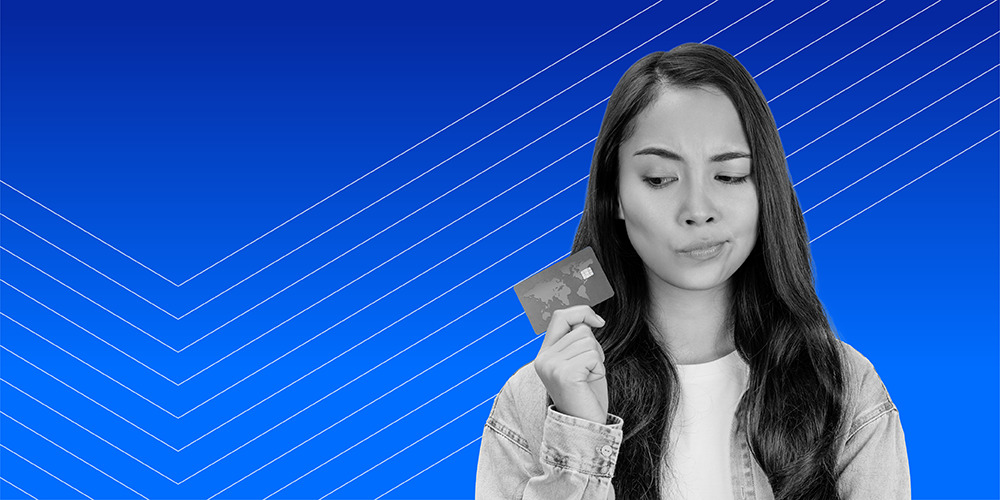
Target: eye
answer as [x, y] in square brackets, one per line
[731, 179]
[658, 182]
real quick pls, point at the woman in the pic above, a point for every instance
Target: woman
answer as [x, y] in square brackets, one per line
[713, 371]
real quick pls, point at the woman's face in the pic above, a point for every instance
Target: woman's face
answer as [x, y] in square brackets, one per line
[689, 205]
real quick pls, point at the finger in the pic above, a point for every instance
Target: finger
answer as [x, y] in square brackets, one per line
[581, 345]
[563, 320]
[590, 360]
[581, 331]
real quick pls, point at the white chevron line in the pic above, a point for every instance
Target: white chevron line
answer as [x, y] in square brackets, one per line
[71, 454]
[394, 224]
[331, 327]
[189, 345]
[176, 449]
[439, 164]
[899, 123]
[397, 288]
[358, 179]
[53, 278]
[890, 62]
[533, 339]
[904, 152]
[845, 56]
[92, 334]
[470, 443]
[45, 471]
[127, 388]
[282, 422]
[109, 278]
[779, 29]
[911, 182]
[904, 186]
[244, 379]
[92, 400]
[176, 383]
[828, 33]
[189, 378]
[811, 241]
[18, 488]
[487, 400]
[92, 433]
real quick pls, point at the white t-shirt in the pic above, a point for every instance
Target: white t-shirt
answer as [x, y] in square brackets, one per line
[698, 464]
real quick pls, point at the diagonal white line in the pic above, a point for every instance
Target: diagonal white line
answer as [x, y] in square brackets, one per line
[397, 288]
[189, 345]
[429, 434]
[765, 4]
[384, 230]
[811, 241]
[362, 177]
[897, 124]
[324, 365]
[92, 235]
[534, 338]
[335, 325]
[828, 33]
[407, 249]
[192, 376]
[661, 33]
[845, 56]
[412, 180]
[109, 278]
[433, 135]
[71, 453]
[82, 361]
[53, 377]
[88, 299]
[892, 61]
[92, 433]
[45, 471]
[470, 443]
[772, 34]
[904, 186]
[109, 344]
[18, 488]
[482, 139]
[904, 152]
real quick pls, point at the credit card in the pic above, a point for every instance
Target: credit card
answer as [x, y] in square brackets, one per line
[577, 279]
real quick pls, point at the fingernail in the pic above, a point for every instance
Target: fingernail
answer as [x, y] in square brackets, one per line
[602, 320]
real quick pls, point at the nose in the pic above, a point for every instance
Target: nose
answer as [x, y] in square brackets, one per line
[698, 207]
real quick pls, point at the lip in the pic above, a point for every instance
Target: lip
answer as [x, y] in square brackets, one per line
[704, 250]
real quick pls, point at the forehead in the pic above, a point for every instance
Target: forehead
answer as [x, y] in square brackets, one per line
[695, 120]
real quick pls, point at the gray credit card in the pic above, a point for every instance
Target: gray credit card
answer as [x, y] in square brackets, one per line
[577, 279]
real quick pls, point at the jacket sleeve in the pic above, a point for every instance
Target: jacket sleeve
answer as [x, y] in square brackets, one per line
[574, 458]
[873, 463]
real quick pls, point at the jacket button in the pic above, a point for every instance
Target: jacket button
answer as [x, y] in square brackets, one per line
[606, 451]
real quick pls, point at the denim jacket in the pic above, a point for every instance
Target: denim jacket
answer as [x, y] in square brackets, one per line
[531, 451]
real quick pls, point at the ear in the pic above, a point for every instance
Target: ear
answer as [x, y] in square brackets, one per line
[621, 213]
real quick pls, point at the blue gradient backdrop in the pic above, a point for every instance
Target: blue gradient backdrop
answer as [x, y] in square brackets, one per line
[144, 142]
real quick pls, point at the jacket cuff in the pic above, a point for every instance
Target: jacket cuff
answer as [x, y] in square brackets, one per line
[578, 444]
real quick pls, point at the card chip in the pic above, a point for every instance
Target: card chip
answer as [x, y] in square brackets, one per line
[586, 273]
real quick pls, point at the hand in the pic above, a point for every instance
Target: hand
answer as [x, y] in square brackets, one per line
[570, 364]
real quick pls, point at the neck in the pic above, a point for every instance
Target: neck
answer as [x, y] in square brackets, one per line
[692, 324]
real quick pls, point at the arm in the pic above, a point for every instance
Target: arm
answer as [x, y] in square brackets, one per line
[574, 458]
[873, 463]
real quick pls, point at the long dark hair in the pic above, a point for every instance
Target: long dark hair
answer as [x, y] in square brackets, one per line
[792, 407]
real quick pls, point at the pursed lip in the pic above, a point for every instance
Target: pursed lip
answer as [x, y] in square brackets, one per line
[704, 245]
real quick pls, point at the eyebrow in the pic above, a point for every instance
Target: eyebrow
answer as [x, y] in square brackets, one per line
[666, 154]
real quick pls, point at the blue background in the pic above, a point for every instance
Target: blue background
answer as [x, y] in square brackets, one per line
[144, 143]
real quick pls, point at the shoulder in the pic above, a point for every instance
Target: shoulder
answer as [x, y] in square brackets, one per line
[866, 398]
[519, 410]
